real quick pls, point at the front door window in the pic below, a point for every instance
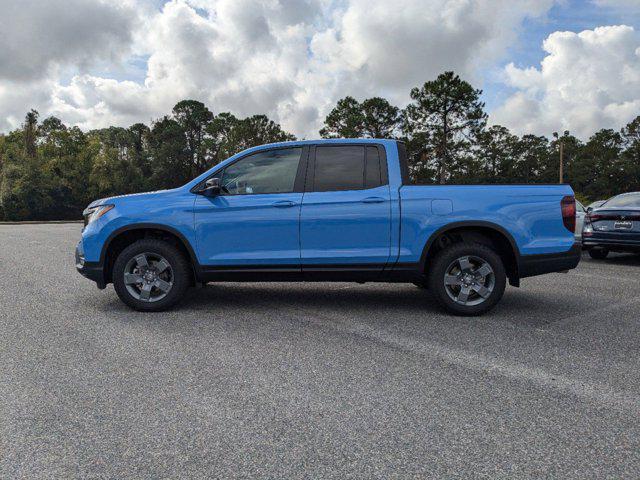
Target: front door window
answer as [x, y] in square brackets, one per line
[273, 171]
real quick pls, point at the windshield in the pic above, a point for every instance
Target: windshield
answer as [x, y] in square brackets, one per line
[624, 201]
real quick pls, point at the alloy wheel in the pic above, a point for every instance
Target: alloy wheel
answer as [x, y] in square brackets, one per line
[469, 280]
[148, 277]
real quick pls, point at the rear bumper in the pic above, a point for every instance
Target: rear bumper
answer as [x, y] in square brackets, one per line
[614, 244]
[532, 265]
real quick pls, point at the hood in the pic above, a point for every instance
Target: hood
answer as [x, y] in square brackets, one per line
[117, 199]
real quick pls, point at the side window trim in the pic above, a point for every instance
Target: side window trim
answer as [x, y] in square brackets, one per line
[311, 165]
[384, 169]
[303, 167]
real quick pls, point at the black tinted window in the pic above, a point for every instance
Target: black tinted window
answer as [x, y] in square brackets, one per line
[373, 170]
[339, 168]
[273, 171]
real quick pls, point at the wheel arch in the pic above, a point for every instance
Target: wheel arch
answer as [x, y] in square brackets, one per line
[488, 233]
[120, 238]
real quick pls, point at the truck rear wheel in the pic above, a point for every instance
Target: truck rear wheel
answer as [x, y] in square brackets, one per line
[151, 275]
[467, 278]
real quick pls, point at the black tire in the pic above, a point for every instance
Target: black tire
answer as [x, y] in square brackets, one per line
[447, 257]
[179, 268]
[598, 253]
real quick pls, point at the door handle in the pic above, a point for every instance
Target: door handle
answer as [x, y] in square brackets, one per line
[285, 204]
[373, 200]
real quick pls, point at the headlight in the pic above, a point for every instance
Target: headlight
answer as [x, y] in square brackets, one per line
[91, 214]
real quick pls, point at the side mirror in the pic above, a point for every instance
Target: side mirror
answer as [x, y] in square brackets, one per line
[211, 188]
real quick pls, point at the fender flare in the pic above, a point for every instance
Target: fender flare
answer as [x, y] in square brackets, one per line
[468, 224]
[145, 226]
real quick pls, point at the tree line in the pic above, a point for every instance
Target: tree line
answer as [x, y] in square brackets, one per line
[448, 141]
[52, 171]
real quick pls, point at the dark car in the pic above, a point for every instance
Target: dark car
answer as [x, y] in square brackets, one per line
[613, 227]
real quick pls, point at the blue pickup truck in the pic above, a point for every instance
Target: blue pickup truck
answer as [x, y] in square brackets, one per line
[328, 210]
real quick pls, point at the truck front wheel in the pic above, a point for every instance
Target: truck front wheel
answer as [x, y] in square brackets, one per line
[467, 278]
[151, 275]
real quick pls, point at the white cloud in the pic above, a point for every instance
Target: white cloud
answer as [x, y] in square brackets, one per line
[17, 98]
[400, 44]
[588, 80]
[92, 102]
[40, 35]
[291, 59]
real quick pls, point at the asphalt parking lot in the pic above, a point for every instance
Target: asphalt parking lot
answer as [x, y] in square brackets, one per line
[314, 380]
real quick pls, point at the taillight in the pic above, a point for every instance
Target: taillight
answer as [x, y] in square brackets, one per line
[568, 207]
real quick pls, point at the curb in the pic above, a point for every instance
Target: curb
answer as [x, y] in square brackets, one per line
[36, 222]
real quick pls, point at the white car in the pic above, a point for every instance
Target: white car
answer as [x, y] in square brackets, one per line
[581, 213]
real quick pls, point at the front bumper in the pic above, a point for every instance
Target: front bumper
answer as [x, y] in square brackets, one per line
[532, 265]
[91, 270]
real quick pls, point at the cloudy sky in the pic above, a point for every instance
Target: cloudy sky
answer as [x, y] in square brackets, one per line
[544, 65]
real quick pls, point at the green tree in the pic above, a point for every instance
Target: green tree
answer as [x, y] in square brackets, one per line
[344, 121]
[496, 152]
[630, 163]
[194, 117]
[24, 187]
[30, 128]
[51, 127]
[253, 131]
[373, 118]
[115, 170]
[139, 134]
[442, 122]
[67, 163]
[595, 170]
[531, 159]
[219, 135]
[169, 155]
[381, 119]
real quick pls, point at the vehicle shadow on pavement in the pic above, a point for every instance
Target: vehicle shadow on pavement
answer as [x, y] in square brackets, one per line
[343, 297]
[615, 259]
[383, 301]
[365, 303]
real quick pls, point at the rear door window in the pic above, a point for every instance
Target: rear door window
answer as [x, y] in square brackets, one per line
[339, 168]
[373, 169]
